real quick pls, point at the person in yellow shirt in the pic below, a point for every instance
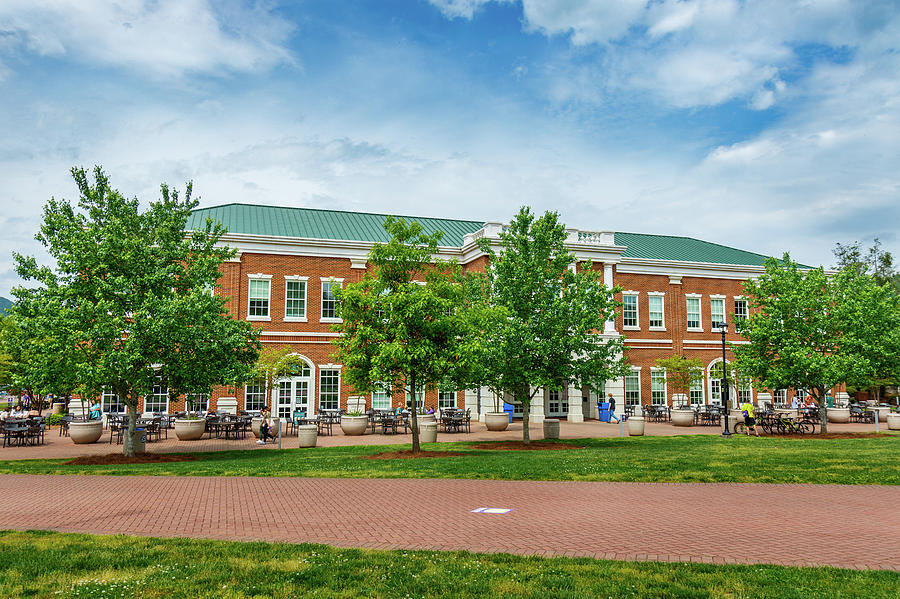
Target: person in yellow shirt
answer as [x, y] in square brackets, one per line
[749, 420]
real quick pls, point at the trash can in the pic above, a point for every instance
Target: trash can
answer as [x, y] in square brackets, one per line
[508, 408]
[140, 440]
[603, 411]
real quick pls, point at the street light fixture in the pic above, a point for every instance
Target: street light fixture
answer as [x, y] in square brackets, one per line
[723, 328]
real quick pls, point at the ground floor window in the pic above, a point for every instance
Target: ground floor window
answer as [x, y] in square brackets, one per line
[633, 388]
[197, 402]
[658, 387]
[446, 399]
[255, 397]
[697, 392]
[158, 399]
[745, 394]
[420, 398]
[780, 396]
[110, 402]
[329, 389]
[556, 403]
[381, 396]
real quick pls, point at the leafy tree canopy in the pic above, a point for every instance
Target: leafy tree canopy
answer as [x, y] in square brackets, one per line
[682, 372]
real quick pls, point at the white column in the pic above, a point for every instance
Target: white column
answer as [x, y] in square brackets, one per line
[471, 402]
[610, 326]
[576, 414]
[539, 406]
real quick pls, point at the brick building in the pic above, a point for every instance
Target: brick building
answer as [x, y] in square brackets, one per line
[287, 259]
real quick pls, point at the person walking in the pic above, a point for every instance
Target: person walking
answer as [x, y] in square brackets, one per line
[749, 419]
[264, 426]
[612, 407]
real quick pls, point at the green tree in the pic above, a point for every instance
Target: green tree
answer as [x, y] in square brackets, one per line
[396, 330]
[546, 317]
[274, 364]
[875, 262]
[130, 296]
[682, 373]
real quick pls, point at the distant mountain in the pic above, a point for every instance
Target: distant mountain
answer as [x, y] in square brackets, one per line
[5, 305]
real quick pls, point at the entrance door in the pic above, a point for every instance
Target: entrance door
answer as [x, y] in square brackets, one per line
[557, 404]
[293, 394]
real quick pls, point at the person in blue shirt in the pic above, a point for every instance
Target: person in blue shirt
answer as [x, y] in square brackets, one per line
[96, 412]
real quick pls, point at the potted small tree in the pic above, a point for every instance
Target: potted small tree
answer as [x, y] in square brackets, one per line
[354, 423]
[681, 373]
[193, 425]
[498, 420]
[86, 431]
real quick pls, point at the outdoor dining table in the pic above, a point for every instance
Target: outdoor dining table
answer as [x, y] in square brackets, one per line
[15, 431]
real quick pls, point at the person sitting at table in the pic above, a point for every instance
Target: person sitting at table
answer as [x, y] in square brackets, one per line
[96, 412]
[210, 413]
[4, 414]
[265, 425]
[17, 412]
[795, 403]
[809, 402]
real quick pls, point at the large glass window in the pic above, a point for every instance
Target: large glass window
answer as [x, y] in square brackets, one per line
[110, 402]
[446, 399]
[629, 310]
[780, 396]
[295, 299]
[740, 309]
[693, 313]
[633, 388]
[656, 318]
[329, 389]
[258, 305]
[381, 396]
[255, 396]
[329, 302]
[420, 398]
[198, 402]
[555, 403]
[658, 387]
[158, 399]
[717, 310]
[697, 392]
[745, 393]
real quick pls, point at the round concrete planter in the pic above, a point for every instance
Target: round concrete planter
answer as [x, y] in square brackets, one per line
[882, 413]
[893, 421]
[254, 426]
[85, 432]
[736, 415]
[635, 426]
[189, 430]
[354, 426]
[307, 434]
[428, 432]
[496, 421]
[420, 418]
[683, 417]
[57, 408]
[839, 415]
[551, 428]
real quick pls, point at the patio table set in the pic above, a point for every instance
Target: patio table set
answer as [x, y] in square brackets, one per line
[23, 431]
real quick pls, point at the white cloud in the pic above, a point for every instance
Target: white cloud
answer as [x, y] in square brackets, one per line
[464, 9]
[163, 38]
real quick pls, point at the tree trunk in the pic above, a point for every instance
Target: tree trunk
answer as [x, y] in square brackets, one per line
[823, 409]
[413, 420]
[128, 444]
[525, 401]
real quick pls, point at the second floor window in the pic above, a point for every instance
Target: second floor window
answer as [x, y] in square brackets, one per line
[740, 309]
[693, 312]
[629, 310]
[656, 311]
[717, 310]
[258, 305]
[295, 299]
[329, 302]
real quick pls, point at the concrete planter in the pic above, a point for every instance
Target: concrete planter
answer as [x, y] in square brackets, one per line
[839, 415]
[255, 423]
[57, 408]
[551, 428]
[189, 430]
[635, 426]
[882, 413]
[428, 432]
[682, 417]
[736, 416]
[307, 434]
[85, 432]
[496, 421]
[893, 422]
[353, 426]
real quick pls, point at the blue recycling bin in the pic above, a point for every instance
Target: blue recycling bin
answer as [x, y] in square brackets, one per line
[508, 408]
[603, 411]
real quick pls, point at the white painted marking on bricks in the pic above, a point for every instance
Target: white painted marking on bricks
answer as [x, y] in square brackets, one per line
[491, 510]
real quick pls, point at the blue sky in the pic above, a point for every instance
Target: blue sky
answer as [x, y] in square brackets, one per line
[768, 125]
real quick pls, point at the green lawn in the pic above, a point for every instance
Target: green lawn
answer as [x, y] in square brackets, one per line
[46, 564]
[700, 458]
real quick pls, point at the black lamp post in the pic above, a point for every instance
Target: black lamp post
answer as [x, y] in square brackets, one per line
[723, 328]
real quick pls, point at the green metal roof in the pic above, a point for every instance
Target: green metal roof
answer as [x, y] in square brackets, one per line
[688, 249]
[361, 226]
[321, 224]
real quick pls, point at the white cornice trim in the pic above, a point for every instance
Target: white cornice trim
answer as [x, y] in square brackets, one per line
[681, 268]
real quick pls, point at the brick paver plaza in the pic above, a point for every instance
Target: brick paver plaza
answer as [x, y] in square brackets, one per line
[848, 526]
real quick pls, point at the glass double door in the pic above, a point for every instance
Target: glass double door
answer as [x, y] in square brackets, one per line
[293, 394]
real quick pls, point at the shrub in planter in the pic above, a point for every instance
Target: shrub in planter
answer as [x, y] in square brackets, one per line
[354, 423]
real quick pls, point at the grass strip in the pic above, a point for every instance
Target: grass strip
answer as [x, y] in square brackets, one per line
[691, 458]
[47, 564]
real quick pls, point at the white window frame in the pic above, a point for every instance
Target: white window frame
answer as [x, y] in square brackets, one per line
[635, 372]
[420, 398]
[108, 399]
[296, 279]
[268, 280]
[330, 281]
[153, 386]
[322, 371]
[697, 386]
[657, 373]
[712, 317]
[662, 301]
[381, 393]
[261, 395]
[201, 401]
[746, 315]
[444, 395]
[637, 312]
[779, 396]
[687, 300]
